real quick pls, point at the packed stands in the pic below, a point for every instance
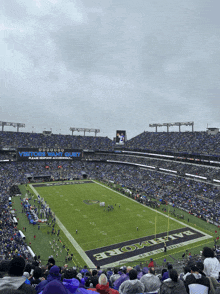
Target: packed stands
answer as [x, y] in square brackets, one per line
[33, 277]
[33, 140]
[177, 190]
[189, 142]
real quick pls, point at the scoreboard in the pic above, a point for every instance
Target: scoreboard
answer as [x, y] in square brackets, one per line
[121, 137]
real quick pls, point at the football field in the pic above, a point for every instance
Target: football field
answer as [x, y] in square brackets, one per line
[123, 230]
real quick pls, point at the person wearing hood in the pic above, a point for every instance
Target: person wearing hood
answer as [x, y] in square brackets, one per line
[71, 284]
[133, 285]
[55, 287]
[172, 285]
[139, 271]
[15, 279]
[103, 286]
[124, 277]
[196, 278]
[151, 282]
[54, 274]
[71, 274]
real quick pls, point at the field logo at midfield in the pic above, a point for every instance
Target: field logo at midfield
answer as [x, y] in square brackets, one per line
[90, 202]
[143, 247]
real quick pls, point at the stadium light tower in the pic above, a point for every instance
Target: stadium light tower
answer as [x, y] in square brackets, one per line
[84, 130]
[11, 124]
[179, 124]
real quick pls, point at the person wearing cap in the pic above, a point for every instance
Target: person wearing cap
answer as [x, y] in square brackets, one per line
[54, 274]
[133, 285]
[15, 279]
[196, 278]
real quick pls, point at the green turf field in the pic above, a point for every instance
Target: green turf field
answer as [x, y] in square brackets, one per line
[96, 227]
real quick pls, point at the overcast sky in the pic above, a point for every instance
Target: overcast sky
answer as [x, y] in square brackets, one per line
[109, 64]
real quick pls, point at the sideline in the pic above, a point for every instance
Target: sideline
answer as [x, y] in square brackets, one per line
[71, 239]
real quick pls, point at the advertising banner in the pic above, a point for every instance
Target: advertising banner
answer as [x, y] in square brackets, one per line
[24, 154]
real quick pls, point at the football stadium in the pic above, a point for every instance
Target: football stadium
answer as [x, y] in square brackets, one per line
[93, 205]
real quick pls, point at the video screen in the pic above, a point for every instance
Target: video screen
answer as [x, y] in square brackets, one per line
[47, 153]
[120, 137]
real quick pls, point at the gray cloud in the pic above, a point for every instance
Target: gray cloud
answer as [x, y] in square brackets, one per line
[109, 64]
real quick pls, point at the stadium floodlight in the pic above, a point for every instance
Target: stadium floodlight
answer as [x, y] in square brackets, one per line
[179, 124]
[11, 124]
[85, 130]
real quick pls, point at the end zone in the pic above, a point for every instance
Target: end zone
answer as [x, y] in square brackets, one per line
[132, 250]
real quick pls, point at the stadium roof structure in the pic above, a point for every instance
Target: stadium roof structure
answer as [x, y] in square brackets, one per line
[11, 124]
[179, 124]
[84, 130]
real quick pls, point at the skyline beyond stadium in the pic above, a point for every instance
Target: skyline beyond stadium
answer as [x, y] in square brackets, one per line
[110, 65]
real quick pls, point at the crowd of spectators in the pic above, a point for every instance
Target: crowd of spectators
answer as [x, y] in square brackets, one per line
[10, 240]
[196, 197]
[36, 140]
[18, 276]
[189, 142]
[211, 172]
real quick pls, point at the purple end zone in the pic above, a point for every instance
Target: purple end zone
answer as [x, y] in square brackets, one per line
[116, 252]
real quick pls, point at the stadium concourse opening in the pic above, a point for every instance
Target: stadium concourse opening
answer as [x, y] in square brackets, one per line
[49, 178]
[84, 175]
[39, 178]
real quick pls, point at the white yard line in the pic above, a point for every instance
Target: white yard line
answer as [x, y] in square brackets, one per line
[71, 239]
[147, 207]
[92, 265]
